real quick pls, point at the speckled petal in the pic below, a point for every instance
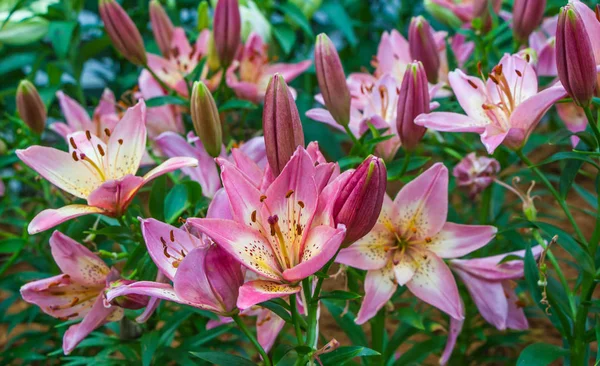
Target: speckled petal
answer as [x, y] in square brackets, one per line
[455, 240]
[49, 218]
[369, 252]
[255, 292]
[77, 261]
[379, 288]
[127, 143]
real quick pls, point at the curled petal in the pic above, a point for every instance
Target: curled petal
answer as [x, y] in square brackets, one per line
[49, 218]
[254, 292]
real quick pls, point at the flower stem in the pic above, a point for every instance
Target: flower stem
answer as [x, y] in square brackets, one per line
[377, 335]
[295, 319]
[252, 339]
[553, 191]
[405, 164]
[592, 122]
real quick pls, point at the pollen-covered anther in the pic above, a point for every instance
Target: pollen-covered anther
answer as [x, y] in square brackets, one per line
[289, 193]
[473, 85]
[428, 240]
[263, 198]
[73, 144]
[172, 236]
[301, 204]
[100, 150]
[253, 216]
[88, 134]
[120, 141]
[74, 155]
[107, 132]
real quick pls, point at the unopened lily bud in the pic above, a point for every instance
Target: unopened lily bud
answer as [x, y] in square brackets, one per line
[423, 47]
[360, 199]
[162, 27]
[212, 58]
[227, 30]
[574, 57]
[332, 80]
[205, 116]
[30, 107]
[475, 173]
[412, 101]
[122, 31]
[203, 21]
[282, 127]
[527, 16]
[130, 301]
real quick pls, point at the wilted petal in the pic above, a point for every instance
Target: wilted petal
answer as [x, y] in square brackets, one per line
[49, 218]
[455, 240]
[379, 288]
[254, 292]
[77, 261]
[371, 251]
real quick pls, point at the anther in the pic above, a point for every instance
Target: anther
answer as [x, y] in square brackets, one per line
[518, 73]
[107, 132]
[120, 141]
[253, 216]
[289, 193]
[428, 240]
[492, 78]
[472, 84]
[165, 252]
[88, 134]
[172, 235]
[74, 155]
[72, 141]
[100, 150]
[262, 198]
[301, 204]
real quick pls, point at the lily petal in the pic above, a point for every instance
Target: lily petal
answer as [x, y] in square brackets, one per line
[370, 252]
[528, 114]
[191, 281]
[450, 122]
[219, 207]
[379, 288]
[77, 261]
[254, 292]
[76, 116]
[455, 240]
[113, 196]
[168, 166]
[268, 326]
[455, 329]
[127, 143]
[515, 319]
[242, 193]
[49, 218]
[152, 303]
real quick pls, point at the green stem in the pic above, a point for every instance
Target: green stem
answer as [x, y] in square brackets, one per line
[252, 339]
[578, 348]
[352, 137]
[486, 200]
[295, 319]
[592, 123]
[377, 335]
[405, 164]
[552, 190]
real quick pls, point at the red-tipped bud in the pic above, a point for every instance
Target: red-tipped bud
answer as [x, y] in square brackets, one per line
[205, 117]
[360, 199]
[162, 27]
[332, 80]
[574, 57]
[423, 47]
[281, 124]
[412, 101]
[122, 31]
[527, 16]
[131, 301]
[227, 28]
[30, 107]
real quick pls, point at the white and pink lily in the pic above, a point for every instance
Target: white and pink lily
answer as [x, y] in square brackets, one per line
[505, 108]
[102, 173]
[162, 118]
[284, 234]
[407, 245]
[77, 293]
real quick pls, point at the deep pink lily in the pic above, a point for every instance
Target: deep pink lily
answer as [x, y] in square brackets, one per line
[183, 60]
[490, 283]
[407, 245]
[543, 42]
[77, 119]
[250, 73]
[77, 293]
[102, 173]
[503, 109]
[283, 234]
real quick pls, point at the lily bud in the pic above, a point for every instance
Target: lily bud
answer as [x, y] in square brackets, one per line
[122, 31]
[527, 16]
[360, 199]
[203, 20]
[162, 27]
[574, 57]
[475, 173]
[227, 30]
[205, 116]
[412, 101]
[129, 301]
[332, 80]
[30, 107]
[281, 124]
[423, 47]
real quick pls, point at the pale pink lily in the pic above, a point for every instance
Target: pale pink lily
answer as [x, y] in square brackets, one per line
[102, 173]
[250, 72]
[77, 119]
[250, 155]
[407, 245]
[204, 275]
[284, 235]
[491, 285]
[77, 293]
[504, 109]
[162, 118]
[543, 42]
[182, 60]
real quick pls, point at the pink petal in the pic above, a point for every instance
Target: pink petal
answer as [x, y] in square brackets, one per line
[371, 251]
[219, 207]
[450, 122]
[433, 283]
[180, 42]
[288, 71]
[152, 303]
[170, 165]
[127, 143]
[255, 149]
[62, 129]
[379, 288]
[247, 165]
[422, 204]
[455, 240]
[323, 115]
[76, 116]
[321, 244]
[157, 290]
[455, 329]
[49, 218]
[77, 261]
[515, 318]
[95, 318]
[113, 196]
[225, 275]
[246, 245]
[471, 94]
[242, 193]
[157, 236]
[59, 168]
[106, 107]
[255, 292]
[268, 326]
[574, 118]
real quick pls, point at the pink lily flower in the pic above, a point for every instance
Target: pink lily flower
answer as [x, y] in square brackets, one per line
[283, 234]
[490, 284]
[102, 173]
[574, 118]
[77, 119]
[475, 173]
[407, 245]
[250, 72]
[163, 118]
[183, 60]
[250, 155]
[460, 11]
[77, 293]
[203, 274]
[543, 42]
[504, 109]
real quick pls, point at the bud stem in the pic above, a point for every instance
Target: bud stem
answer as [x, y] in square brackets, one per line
[592, 122]
[252, 339]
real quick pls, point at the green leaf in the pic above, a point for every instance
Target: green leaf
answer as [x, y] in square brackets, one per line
[24, 31]
[408, 315]
[277, 309]
[340, 295]
[60, 34]
[237, 104]
[418, 352]
[286, 37]
[343, 355]
[12, 245]
[15, 61]
[297, 17]
[223, 359]
[569, 155]
[156, 202]
[149, 343]
[540, 354]
[337, 15]
[164, 100]
[176, 202]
